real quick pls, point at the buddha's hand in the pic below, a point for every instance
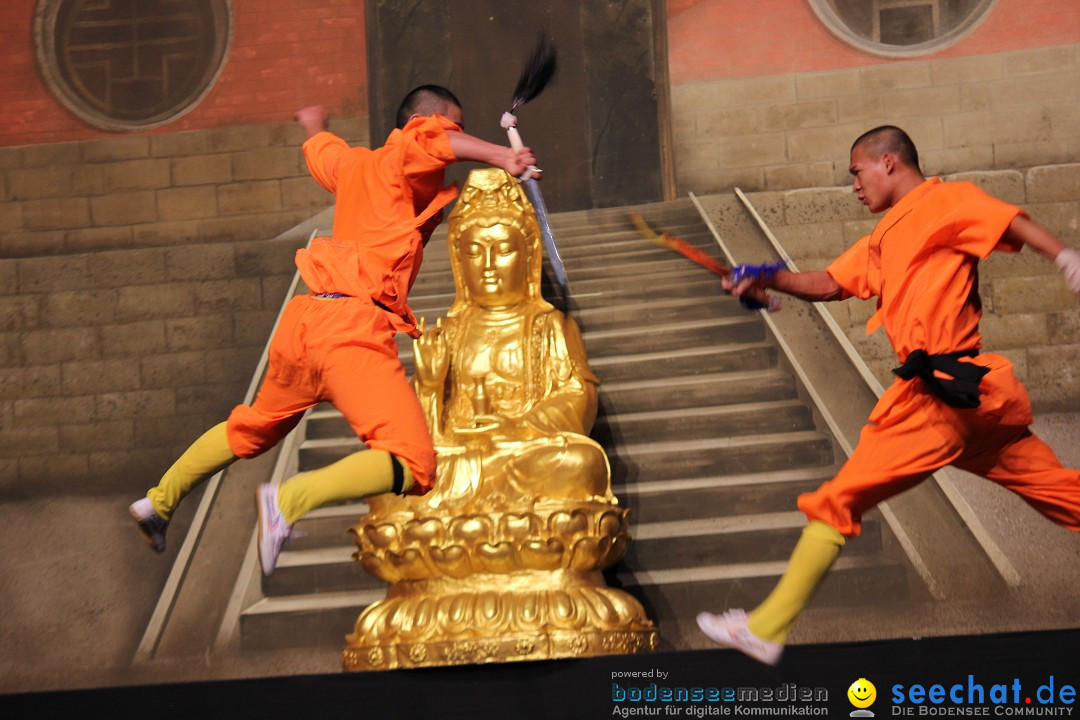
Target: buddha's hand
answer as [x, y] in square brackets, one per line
[481, 425]
[431, 356]
[498, 429]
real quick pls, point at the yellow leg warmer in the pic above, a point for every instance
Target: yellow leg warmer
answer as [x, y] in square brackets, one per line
[814, 554]
[206, 456]
[365, 473]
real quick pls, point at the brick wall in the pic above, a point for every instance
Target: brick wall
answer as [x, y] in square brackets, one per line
[1029, 315]
[223, 184]
[283, 56]
[228, 170]
[997, 110]
[713, 39]
[112, 362]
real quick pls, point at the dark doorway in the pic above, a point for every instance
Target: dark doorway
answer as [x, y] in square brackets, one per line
[596, 129]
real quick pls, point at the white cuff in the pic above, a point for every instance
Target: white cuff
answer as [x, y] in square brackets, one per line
[1069, 262]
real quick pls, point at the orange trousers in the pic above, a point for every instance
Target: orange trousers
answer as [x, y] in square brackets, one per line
[339, 350]
[912, 434]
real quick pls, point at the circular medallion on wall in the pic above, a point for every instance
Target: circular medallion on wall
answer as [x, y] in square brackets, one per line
[131, 64]
[901, 28]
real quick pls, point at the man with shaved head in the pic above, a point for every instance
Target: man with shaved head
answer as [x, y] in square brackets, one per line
[950, 404]
[336, 343]
[889, 139]
[423, 101]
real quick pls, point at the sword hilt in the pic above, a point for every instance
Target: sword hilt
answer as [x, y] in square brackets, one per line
[509, 123]
[764, 270]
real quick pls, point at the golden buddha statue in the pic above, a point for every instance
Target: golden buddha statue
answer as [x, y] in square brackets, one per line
[502, 560]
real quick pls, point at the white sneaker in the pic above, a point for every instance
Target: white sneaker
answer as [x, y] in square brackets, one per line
[730, 630]
[273, 530]
[151, 525]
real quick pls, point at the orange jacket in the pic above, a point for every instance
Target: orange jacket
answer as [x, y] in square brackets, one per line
[388, 201]
[921, 262]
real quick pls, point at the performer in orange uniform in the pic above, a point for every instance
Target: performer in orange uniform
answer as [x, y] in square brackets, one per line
[950, 404]
[337, 343]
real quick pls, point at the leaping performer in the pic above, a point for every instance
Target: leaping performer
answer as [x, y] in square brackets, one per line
[337, 343]
[950, 404]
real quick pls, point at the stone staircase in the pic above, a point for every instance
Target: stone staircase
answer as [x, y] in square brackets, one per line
[710, 436]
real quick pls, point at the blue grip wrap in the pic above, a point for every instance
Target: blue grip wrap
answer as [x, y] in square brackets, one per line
[754, 272]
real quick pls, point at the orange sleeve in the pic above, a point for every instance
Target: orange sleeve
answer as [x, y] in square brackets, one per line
[324, 153]
[425, 146]
[979, 220]
[851, 270]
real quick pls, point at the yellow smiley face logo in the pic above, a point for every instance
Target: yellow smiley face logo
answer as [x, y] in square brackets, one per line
[862, 693]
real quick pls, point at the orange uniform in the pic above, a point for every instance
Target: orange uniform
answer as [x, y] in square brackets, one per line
[921, 263]
[342, 350]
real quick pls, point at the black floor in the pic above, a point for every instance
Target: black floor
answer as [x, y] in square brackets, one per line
[994, 676]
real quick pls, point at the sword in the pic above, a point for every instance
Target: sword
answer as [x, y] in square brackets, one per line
[532, 190]
[534, 78]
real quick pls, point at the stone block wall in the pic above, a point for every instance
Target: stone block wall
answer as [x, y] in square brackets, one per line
[998, 110]
[231, 184]
[111, 362]
[1029, 314]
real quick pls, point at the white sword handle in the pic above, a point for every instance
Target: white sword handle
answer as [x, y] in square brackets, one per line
[509, 122]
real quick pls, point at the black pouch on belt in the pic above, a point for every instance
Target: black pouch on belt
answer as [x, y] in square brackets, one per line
[960, 389]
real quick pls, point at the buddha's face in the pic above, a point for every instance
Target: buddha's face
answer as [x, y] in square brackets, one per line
[495, 265]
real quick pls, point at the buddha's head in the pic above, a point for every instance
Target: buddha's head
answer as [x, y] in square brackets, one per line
[494, 244]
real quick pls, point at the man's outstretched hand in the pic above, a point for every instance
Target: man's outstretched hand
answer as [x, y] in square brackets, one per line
[1068, 260]
[312, 118]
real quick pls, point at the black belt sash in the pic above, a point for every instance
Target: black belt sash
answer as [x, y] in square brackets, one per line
[960, 390]
[380, 305]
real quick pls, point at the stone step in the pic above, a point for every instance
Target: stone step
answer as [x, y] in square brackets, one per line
[652, 282]
[310, 620]
[327, 569]
[723, 504]
[633, 250]
[694, 286]
[674, 597]
[700, 543]
[659, 311]
[327, 527]
[658, 215]
[632, 339]
[619, 271]
[704, 390]
[614, 243]
[681, 363]
[667, 485]
[727, 421]
[759, 453]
